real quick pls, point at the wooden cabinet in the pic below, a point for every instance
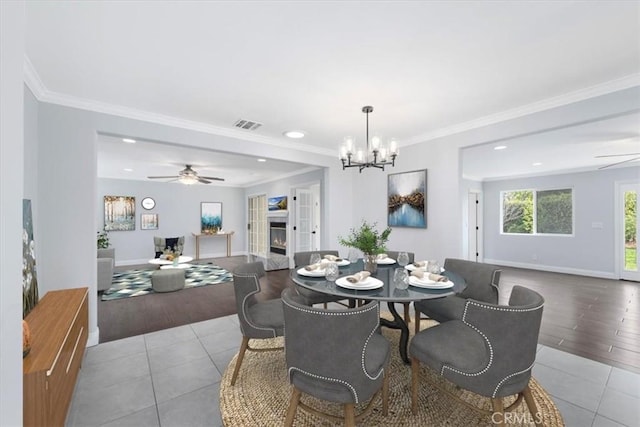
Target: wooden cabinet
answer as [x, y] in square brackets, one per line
[59, 331]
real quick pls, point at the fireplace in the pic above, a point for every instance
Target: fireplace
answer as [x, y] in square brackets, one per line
[278, 237]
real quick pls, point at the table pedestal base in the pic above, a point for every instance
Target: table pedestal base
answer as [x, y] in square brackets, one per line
[398, 323]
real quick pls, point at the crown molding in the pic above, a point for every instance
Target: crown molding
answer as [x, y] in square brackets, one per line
[536, 107]
[283, 176]
[42, 94]
[33, 81]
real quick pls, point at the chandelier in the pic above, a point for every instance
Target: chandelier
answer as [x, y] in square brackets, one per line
[377, 155]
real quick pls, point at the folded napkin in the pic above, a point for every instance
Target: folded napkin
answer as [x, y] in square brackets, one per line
[332, 258]
[382, 256]
[420, 264]
[358, 277]
[318, 266]
[434, 277]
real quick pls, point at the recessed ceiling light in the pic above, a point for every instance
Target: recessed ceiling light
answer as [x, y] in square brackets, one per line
[536, 164]
[499, 147]
[128, 170]
[262, 160]
[295, 134]
[129, 140]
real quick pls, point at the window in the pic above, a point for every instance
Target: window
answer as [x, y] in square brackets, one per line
[537, 212]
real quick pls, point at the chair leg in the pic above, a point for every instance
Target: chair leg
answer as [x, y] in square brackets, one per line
[531, 404]
[407, 315]
[293, 406]
[497, 417]
[385, 394]
[349, 415]
[416, 318]
[243, 348]
[415, 371]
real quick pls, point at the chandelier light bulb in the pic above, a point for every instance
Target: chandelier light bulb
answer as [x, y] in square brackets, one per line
[360, 156]
[393, 147]
[383, 154]
[375, 143]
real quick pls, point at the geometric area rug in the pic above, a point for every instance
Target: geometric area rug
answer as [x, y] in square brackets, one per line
[262, 391]
[133, 283]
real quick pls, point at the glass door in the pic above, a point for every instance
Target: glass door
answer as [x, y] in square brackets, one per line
[303, 220]
[257, 225]
[628, 197]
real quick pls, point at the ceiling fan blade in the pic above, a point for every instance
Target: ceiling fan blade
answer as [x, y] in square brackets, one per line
[619, 163]
[618, 155]
[204, 181]
[213, 178]
[162, 177]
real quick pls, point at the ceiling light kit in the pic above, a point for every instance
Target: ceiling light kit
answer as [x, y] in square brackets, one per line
[129, 140]
[376, 156]
[499, 147]
[294, 134]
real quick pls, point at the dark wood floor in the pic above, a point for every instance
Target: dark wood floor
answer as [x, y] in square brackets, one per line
[594, 318]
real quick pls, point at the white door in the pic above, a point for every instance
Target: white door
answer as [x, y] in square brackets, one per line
[315, 214]
[629, 217]
[257, 233]
[304, 215]
[474, 232]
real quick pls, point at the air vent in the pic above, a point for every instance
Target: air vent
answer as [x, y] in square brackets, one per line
[247, 124]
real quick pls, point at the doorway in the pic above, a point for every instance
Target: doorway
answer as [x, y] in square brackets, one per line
[307, 219]
[627, 227]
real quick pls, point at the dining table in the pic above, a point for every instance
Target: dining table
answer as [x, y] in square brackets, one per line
[388, 292]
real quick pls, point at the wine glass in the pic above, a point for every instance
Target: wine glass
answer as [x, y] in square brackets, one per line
[433, 267]
[400, 278]
[314, 258]
[353, 255]
[403, 259]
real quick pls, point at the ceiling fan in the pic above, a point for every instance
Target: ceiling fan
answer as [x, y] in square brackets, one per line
[635, 156]
[189, 176]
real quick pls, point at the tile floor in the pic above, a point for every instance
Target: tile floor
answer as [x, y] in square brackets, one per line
[171, 378]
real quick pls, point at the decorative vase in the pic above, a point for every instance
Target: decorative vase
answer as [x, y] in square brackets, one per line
[370, 263]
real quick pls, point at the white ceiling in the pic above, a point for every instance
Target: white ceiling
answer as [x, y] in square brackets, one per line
[426, 67]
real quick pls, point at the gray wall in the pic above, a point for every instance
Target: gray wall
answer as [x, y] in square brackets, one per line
[12, 28]
[590, 251]
[178, 209]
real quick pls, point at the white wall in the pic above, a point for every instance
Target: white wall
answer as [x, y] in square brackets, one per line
[590, 251]
[12, 28]
[178, 209]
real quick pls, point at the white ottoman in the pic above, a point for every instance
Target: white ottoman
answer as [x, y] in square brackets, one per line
[167, 280]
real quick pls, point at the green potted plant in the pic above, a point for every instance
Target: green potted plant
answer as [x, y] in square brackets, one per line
[103, 239]
[368, 240]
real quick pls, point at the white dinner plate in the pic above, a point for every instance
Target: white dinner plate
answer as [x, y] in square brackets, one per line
[364, 285]
[313, 273]
[343, 262]
[429, 284]
[386, 261]
[412, 267]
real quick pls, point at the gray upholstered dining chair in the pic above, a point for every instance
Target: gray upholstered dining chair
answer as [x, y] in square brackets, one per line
[335, 355]
[482, 281]
[489, 351]
[106, 263]
[258, 319]
[301, 259]
[394, 255]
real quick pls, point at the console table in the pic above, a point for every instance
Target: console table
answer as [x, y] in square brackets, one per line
[227, 234]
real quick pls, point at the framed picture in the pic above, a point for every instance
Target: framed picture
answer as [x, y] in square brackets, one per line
[277, 203]
[119, 213]
[148, 221]
[210, 217]
[407, 199]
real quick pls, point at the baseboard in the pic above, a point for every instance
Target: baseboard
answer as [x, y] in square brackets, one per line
[553, 269]
[93, 338]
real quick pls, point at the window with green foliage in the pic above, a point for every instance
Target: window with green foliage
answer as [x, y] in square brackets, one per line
[537, 212]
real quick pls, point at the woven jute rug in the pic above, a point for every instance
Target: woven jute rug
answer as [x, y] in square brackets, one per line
[261, 395]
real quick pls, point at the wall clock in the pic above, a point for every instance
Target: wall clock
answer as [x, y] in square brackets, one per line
[148, 203]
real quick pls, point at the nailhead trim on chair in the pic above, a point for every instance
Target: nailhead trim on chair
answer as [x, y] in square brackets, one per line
[464, 316]
[333, 313]
[495, 391]
[244, 313]
[353, 390]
